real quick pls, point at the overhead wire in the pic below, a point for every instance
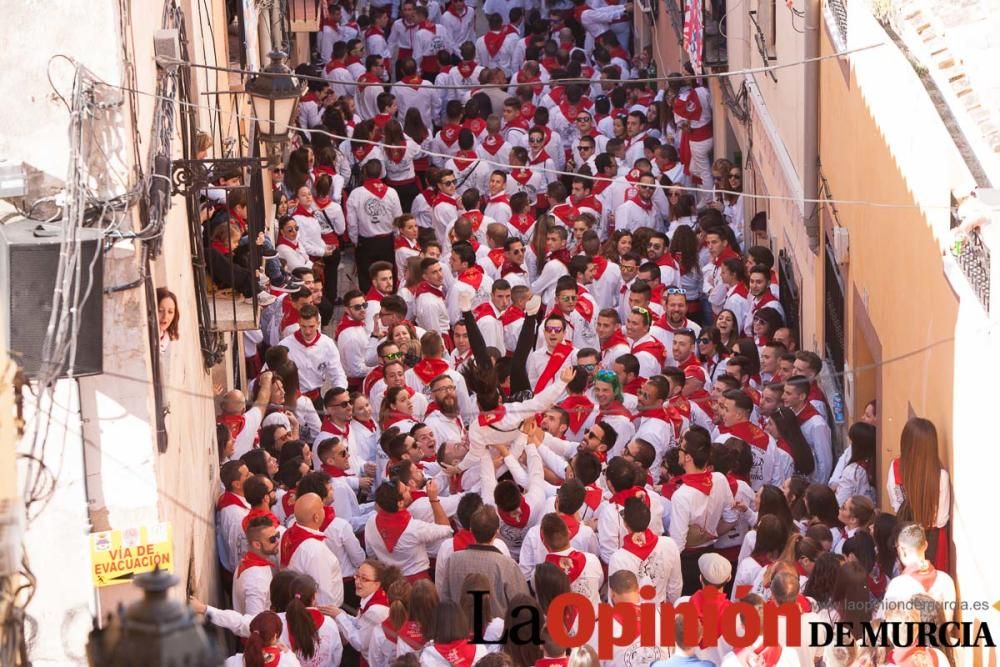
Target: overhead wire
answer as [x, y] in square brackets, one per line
[558, 172]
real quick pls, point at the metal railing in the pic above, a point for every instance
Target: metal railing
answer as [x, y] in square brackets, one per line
[973, 256]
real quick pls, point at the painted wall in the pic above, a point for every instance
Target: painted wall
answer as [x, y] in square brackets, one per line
[104, 449]
[872, 109]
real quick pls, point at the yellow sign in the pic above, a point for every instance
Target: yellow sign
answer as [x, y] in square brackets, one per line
[118, 555]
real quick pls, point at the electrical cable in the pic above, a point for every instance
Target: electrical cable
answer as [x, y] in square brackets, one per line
[581, 80]
[557, 172]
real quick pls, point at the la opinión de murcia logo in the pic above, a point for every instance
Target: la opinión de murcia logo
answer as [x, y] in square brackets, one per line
[571, 620]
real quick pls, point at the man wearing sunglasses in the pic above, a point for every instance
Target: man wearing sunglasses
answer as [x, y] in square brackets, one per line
[578, 312]
[546, 364]
[674, 319]
[647, 350]
[352, 339]
[252, 583]
[638, 210]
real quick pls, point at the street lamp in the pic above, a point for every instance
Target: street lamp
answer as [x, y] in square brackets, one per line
[274, 97]
[154, 632]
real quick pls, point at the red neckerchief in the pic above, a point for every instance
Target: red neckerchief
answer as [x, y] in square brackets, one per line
[361, 152]
[615, 339]
[485, 310]
[374, 30]
[572, 524]
[749, 433]
[925, 574]
[572, 563]
[496, 256]
[377, 599]
[807, 413]
[653, 347]
[493, 41]
[409, 633]
[451, 10]
[511, 267]
[557, 358]
[335, 64]
[282, 241]
[252, 560]
[727, 253]
[511, 315]
[329, 514]
[466, 68]
[288, 503]
[367, 423]
[393, 417]
[230, 499]
[403, 242]
[368, 79]
[644, 205]
[534, 81]
[425, 287]
[635, 385]
[539, 159]
[234, 423]
[702, 481]
[521, 175]
[391, 525]
[334, 471]
[376, 187]
[614, 409]
[593, 497]
[492, 144]
[347, 323]
[460, 653]
[579, 408]
[442, 198]
[374, 295]
[523, 514]
[670, 488]
[272, 656]
[257, 512]
[561, 255]
[632, 492]
[522, 222]
[292, 539]
[472, 276]
[475, 125]
[552, 662]
[449, 134]
[493, 416]
[428, 369]
[301, 339]
[463, 538]
[465, 159]
[220, 247]
[641, 544]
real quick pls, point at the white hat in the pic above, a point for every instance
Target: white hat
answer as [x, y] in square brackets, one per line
[715, 569]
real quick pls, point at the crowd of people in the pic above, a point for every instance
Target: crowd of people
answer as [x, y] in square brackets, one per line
[562, 366]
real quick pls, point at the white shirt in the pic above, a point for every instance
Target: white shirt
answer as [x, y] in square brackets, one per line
[371, 215]
[317, 362]
[229, 536]
[817, 433]
[661, 568]
[353, 343]
[252, 589]
[533, 551]
[410, 553]
[432, 313]
[611, 529]
[689, 506]
[539, 360]
[904, 587]
[245, 438]
[314, 558]
[630, 216]
[358, 630]
[534, 496]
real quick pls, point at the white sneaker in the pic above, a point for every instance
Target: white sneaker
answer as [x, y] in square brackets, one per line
[264, 298]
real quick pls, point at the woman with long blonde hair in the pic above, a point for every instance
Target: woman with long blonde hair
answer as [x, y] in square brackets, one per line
[919, 487]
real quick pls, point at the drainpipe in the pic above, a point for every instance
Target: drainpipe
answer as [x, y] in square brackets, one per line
[810, 109]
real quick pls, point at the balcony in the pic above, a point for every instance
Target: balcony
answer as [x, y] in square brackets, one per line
[975, 233]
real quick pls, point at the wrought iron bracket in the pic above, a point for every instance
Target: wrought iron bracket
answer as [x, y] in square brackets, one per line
[188, 177]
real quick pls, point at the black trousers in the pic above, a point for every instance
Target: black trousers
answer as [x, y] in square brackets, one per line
[331, 266]
[372, 249]
[407, 193]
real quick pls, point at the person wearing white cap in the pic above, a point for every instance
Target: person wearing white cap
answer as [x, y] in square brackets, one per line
[714, 572]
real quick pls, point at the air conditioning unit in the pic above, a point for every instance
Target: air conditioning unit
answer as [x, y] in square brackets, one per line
[29, 259]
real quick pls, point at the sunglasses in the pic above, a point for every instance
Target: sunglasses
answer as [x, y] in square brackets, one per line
[704, 341]
[677, 290]
[291, 229]
[640, 310]
[568, 297]
[583, 120]
[535, 141]
[517, 251]
[587, 367]
[274, 538]
[450, 181]
[393, 356]
[278, 170]
[553, 329]
[359, 306]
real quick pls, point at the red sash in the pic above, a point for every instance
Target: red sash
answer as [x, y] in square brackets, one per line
[556, 360]
[594, 497]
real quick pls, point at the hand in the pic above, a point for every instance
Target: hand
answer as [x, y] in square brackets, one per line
[365, 484]
[432, 490]
[220, 389]
[329, 610]
[197, 606]
[266, 377]
[502, 450]
[451, 470]
[567, 374]
[740, 507]
[369, 470]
